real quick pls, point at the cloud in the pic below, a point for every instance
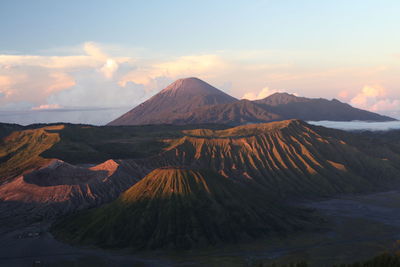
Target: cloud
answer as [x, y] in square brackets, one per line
[32, 84]
[377, 99]
[197, 65]
[344, 95]
[97, 75]
[266, 91]
[359, 125]
[47, 107]
[93, 57]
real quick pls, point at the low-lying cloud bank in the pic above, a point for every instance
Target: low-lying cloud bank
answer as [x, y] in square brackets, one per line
[93, 116]
[359, 125]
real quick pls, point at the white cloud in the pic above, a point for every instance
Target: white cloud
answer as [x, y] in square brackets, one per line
[198, 65]
[266, 91]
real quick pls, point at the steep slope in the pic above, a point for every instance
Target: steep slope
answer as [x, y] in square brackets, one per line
[176, 207]
[293, 107]
[182, 96]
[288, 158]
[240, 112]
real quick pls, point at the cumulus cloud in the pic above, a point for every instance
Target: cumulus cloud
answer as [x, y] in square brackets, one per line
[377, 99]
[198, 65]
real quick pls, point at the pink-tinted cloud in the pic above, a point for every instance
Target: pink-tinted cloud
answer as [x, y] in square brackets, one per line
[377, 99]
[47, 107]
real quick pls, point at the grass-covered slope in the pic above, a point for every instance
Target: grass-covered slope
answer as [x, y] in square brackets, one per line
[176, 207]
[20, 151]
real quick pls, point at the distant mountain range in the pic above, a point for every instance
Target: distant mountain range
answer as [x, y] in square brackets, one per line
[193, 101]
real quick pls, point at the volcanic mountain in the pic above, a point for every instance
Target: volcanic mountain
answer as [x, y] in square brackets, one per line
[181, 97]
[289, 106]
[192, 101]
[176, 207]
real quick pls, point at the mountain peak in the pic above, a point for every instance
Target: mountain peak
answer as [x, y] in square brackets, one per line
[190, 86]
[280, 98]
[180, 97]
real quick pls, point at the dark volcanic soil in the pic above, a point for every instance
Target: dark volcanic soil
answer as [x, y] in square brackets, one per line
[359, 227]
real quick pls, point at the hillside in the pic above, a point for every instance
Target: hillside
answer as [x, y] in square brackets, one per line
[176, 207]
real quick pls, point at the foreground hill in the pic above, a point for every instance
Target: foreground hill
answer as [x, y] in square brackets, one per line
[192, 101]
[176, 207]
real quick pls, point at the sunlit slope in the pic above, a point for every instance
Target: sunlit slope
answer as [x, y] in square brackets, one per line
[176, 207]
[24, 150]
[20, 151]
[289, 158]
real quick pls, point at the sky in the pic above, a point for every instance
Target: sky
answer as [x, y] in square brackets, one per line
[89, 61]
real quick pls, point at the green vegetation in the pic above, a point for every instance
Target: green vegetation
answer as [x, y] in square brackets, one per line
[20, 151]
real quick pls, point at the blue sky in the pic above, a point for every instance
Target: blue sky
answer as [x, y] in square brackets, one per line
[53, 53]
[193, 26]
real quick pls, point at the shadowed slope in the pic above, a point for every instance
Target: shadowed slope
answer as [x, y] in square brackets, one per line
[177, 207]
[60, 188]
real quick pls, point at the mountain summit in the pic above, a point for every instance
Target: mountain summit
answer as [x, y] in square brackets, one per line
[193, 101]
[180, 97]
